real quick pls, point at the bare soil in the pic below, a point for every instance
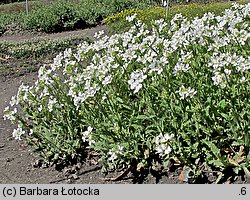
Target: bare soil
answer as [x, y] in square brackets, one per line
[18, 164]
[29, 35]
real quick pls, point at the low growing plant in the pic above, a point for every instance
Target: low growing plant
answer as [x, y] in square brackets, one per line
[39, 47]
[64, 15]
[118, 23]
[177, 90]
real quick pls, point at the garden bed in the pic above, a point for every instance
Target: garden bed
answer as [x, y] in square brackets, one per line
[169, 110]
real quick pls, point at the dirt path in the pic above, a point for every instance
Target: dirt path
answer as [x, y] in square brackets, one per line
[31, 36]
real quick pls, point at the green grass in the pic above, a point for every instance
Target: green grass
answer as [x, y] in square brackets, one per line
[28, 55]
[21, 6]
[118, 23]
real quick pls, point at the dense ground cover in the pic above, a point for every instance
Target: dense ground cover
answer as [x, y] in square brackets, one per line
[182, 96]
[25, 55]
[38, 47]
[19, 57]
[118, 22]
[67, 15]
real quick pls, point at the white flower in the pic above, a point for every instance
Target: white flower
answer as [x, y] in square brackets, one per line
[31, 132]
[131, 18]
[40, 108]
[227, 72]
[97, 35]
[136, 79]
[181, 67]
[104, 97]
[186, 92]
[17, 133]
[219, 79]
[243, 79]
[162, 147]
[67, 53]
[112, 156]
[10, 115]
[164, 3]
[87, 136]
[120, 148]
[6, 109]
[107, 80]
[51, 103]
[13, 101]
[115, 152]
[57, 62]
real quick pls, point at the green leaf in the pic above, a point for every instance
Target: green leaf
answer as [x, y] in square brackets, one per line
[207, 111]
[219, 177]
[216, 163]
[143, 117]
[222, 103]
[225, 116]
[213, 148]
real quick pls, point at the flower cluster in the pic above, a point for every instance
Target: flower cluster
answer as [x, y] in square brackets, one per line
[162, 144]
[137, 78]
[18, 132]
[10, 115]
[114, 153]
[131, 18]
[87, 136]
[186, 92]
[224, 63]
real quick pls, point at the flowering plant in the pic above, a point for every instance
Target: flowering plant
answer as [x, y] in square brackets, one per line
[177, 90]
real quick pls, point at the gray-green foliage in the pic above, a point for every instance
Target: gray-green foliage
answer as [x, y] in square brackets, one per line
[65, 15]
[38, 47]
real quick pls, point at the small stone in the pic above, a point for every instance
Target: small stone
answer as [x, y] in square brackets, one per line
[9, 159]
[37, 163]
[78, 166]
[69, 181]
[74, 177]
[66, 171]
[74, 168]
[2, 145]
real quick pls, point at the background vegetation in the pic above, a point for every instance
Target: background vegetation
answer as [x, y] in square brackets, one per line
[118, 22]
[67, 15]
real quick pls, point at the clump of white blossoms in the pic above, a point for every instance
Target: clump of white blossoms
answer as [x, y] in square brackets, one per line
[186, 92]
[10, 115]
[131, 18]
[51, 104]
[97, 35]
[162, 144]
[136, 80]
[87, 136]
[114, 153]
[18, 132]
